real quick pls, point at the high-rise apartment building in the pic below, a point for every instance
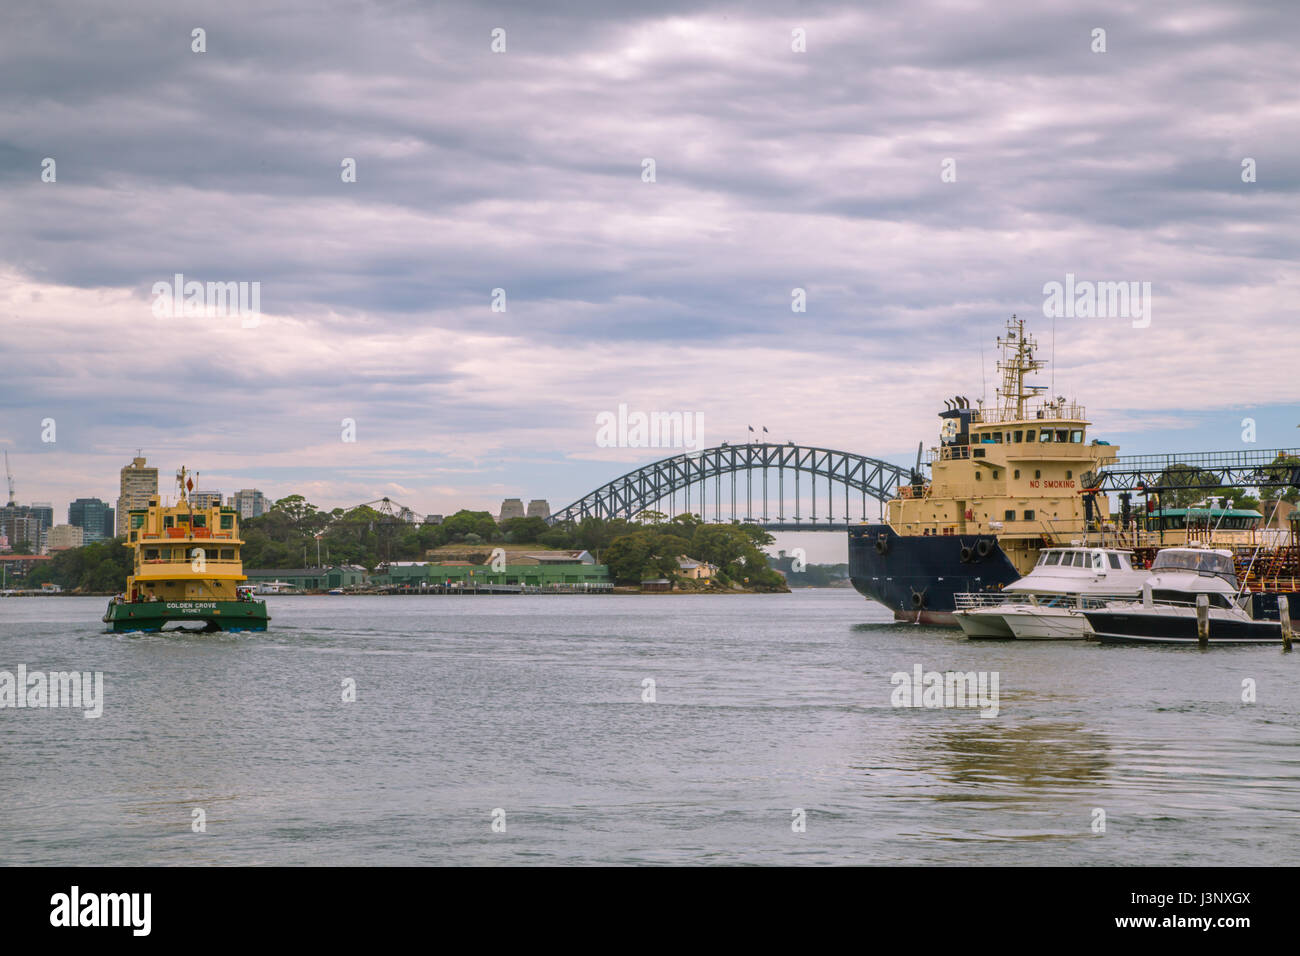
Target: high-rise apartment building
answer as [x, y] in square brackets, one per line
[139, 484]
[249, 502]
[94, 517]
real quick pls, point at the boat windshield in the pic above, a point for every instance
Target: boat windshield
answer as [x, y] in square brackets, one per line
[1203, 562]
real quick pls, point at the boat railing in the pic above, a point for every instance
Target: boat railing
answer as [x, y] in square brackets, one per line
[969, 600]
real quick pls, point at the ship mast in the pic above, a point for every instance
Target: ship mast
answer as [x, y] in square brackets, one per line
[1017, 361]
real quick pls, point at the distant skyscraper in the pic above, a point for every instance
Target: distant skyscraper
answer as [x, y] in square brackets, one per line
[21, 525]
[139, 484]
[45, 511]
[249, 502]
[94, 517]
[205, 499]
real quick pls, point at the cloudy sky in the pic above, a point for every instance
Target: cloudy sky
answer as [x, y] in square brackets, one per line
[775, 168]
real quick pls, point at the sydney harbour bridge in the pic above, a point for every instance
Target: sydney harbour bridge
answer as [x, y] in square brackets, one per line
[781, 487]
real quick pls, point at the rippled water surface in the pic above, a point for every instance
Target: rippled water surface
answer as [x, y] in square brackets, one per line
[533, 704]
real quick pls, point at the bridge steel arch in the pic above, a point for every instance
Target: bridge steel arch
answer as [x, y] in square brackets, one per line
[639, 490]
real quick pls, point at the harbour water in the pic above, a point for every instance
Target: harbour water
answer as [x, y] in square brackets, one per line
[764, 705]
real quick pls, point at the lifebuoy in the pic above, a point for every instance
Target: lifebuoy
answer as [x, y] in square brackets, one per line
[882, 544]
[984, 547]
[967, 554]
[918, 599]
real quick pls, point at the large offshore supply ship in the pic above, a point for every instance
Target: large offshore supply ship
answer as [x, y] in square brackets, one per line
[1004, 482]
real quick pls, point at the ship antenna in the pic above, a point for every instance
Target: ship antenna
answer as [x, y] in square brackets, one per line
[984, 382]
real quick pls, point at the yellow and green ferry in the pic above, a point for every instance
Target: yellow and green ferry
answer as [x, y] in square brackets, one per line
[187, 569]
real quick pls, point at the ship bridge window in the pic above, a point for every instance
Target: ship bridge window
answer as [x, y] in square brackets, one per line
[167, 521]
[1076, 436]
[227, 522]
[200, 521]
[1009, 514]
[1020, 436]
[1029, 514]
[227, 554]
[1053, 558]
[1062, 434]
[1114, 561]
[137, 521]
[1045, 434]
[977, 453]
[151, 554]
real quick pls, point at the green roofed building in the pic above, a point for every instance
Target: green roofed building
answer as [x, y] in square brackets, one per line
[309, 579]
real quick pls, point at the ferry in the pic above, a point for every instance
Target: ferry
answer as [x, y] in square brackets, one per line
[187, 569]
[1005, 483]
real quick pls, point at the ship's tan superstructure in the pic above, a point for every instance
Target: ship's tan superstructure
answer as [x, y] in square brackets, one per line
[1015, 471]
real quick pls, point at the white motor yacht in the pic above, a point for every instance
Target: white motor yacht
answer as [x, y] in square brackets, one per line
[1045, 603]
[1166, 613]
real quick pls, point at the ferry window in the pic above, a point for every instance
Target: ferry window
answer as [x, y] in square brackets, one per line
[137, 521]
[1053, 557]
[978, 453]
[227, 522]
[209, 553]
[1009, 515]
[1076, 436]
[1045, 434]
[151, 554]
[1029, 514]
[1020, 436]
[1114, 561]
[167, 521]
[1062, 435]
[1008, 438]
[1038, 474]
[996, 474]
[978, 476]
[227, 554]
[1017, 472]
[997, 438]
[1068, 473]
[200, 521]
[1097, 562]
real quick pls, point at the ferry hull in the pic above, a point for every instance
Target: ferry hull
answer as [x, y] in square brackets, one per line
[214, 615]
[917, 577]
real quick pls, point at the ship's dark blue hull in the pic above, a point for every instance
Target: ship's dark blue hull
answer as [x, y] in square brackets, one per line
[917, 576]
